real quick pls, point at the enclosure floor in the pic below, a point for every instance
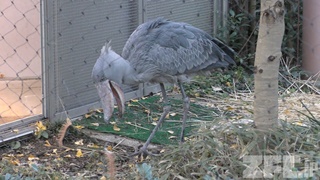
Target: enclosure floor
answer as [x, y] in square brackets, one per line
[19, 99]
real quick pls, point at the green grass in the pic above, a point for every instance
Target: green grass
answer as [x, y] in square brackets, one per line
[143, 113]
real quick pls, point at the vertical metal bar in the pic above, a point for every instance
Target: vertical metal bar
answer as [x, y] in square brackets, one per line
[225, 10]
[215, 17]
[43, 16]
[141, 11]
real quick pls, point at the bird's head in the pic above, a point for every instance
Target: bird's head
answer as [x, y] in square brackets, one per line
[106, 77]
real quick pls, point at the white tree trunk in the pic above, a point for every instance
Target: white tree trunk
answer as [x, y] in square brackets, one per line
[267, 60]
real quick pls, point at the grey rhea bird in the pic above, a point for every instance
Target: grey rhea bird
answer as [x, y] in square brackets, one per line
[158, 51]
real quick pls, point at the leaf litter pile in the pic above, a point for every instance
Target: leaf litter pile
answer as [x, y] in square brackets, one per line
[223, 119]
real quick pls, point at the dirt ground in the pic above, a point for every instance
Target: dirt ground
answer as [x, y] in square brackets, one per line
[84, 157]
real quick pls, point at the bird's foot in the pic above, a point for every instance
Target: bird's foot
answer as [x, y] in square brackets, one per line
[143, 153]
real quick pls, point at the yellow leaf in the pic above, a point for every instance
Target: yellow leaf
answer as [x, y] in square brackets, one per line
[109, 148]
[32, 157]
[87, 115]
[287, 112]
[115, 128]
[19, 155]
[78, 127]
[40, 126]
[233, 146]
[134, 100]
[167, 116]
[155, 119]
[173, 114]
[47, 143]
[99, 110]
[95, 124]
[170, 132]
[197, 94]
[92, 145]
[229, 108]
[228, 84]
[15, 162]
[79, 143]
[79, 153]
[130, 105]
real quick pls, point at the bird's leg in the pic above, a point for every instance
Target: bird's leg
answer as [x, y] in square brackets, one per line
[143, 150]
[186, 106]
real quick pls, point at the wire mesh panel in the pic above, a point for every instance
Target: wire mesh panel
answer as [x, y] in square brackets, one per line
[20, 62]
[76, 32]
[196, 13]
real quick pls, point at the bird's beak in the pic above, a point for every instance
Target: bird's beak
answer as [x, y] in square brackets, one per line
[108, 91]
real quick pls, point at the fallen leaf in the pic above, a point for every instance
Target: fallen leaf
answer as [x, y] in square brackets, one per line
[79, 153]
[170, 132]
[154, 123]
[87, 115]
[155, 119]
[95, 124]
[229, 108]
[92, 145]
[173, 114]
[167, 116]
[47, 143]
[131, 105]
[147, 111]
[197, 94]
[54, 151]
[15, 131]
[79, 143]
[134, 100]
[172, 137]
[228, 84]
[103, 178]
[216, 89]
[19, 155]
[68, 156]
[99, 110]
[32, 157]
[15, 162]
[78, 127]
[109, 148]
[116, 128]
[234, 146]
[39, 128]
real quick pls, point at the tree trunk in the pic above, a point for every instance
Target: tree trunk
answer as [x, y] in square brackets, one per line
[267, 60]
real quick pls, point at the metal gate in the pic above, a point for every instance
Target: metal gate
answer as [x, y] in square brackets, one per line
[73, 32]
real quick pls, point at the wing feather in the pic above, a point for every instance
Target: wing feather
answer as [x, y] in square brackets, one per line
[173, 48]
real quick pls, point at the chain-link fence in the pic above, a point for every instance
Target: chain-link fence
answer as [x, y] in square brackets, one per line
[20, 62]
[54, 80]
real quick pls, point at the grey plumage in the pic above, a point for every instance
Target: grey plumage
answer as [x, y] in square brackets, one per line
[157, 51]
[163, 48]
